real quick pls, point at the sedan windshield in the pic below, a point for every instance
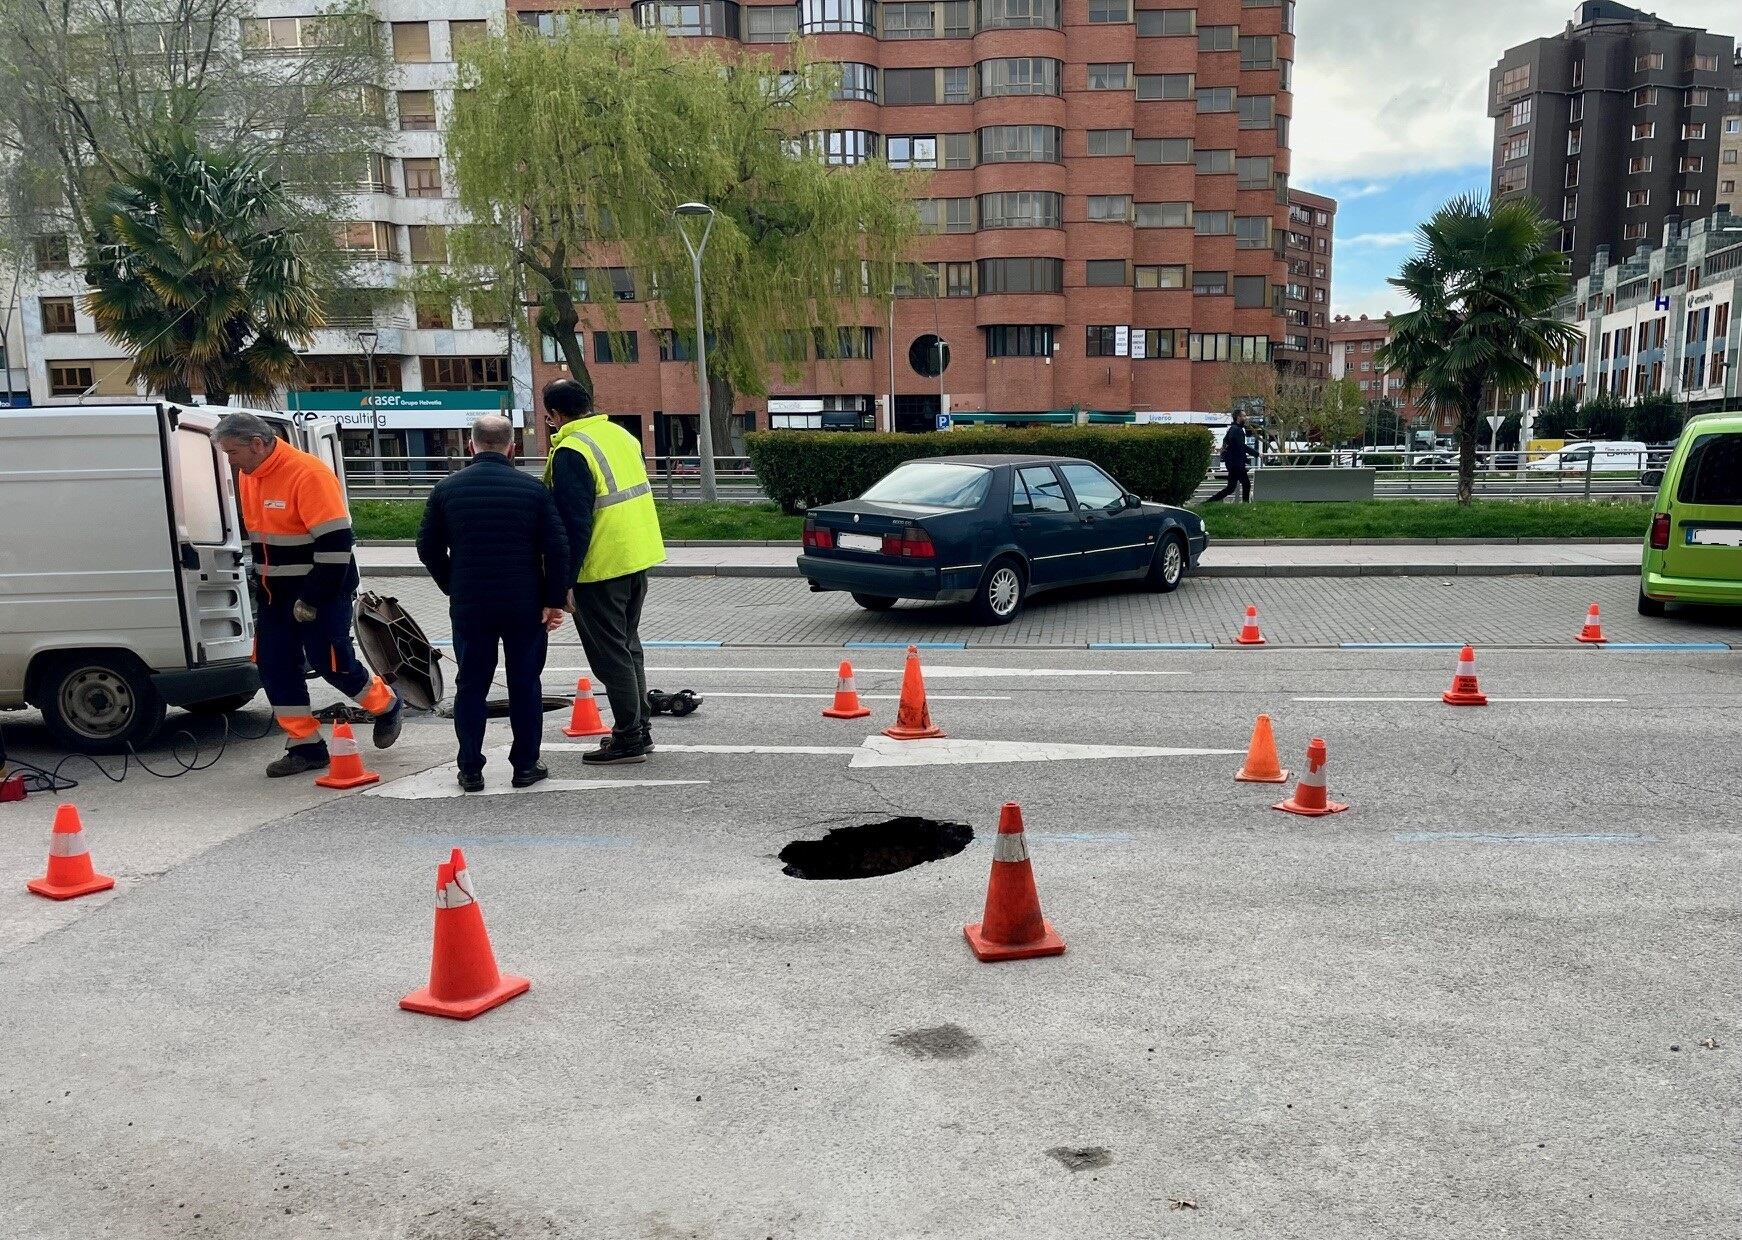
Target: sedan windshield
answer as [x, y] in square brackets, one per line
[931, 484]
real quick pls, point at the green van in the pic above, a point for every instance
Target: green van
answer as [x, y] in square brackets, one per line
[1693, 553]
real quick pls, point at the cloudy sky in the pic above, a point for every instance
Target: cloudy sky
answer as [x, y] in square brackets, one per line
[1389, 113]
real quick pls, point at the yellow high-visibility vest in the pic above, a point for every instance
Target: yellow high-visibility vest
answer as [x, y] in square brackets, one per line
[626, 537]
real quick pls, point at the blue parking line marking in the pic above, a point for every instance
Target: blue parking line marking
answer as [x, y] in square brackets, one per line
[1717, 647]
[683, 645]
[905, 645]
[1399, 646]
[1150, 646]
[1496, 837]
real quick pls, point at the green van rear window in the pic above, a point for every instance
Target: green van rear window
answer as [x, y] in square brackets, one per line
[1713, 473]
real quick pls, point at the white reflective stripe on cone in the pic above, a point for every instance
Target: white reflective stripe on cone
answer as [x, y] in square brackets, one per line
[1314, 775]
[67, 844]
[344, 746]
[456, 894]
[1010, 847]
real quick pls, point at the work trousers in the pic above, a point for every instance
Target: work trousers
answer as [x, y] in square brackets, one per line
[282, 643]
[524, 642]
[1241, 478]
[608, 617]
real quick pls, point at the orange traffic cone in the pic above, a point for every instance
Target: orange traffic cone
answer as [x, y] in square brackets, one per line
[1249, 634]
[913, 720]
[1593, 630]
[584, 719]
[1262, 764]
[1012, 927]
[463, 978]
[347, 769]
[847, 704]
[1310, 799]
[70, 872]
[1465, 691]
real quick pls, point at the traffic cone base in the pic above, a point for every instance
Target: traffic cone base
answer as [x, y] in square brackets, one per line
[346, 769]
[507, 988]
[584, 719]
[1048, 944]
[68, 891]
[847, 704]
[69, 873]
[1291, 806]
[1262, 764]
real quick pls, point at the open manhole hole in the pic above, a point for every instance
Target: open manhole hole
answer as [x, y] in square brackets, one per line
[876, 848]
[497, 708]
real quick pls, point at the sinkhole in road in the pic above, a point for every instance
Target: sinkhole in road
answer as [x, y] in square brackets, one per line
[497, 708]
[875, 849]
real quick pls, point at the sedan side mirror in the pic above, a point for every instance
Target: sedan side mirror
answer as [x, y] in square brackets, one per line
[1133, 501]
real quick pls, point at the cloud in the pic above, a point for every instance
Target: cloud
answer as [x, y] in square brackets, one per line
[1351, 193]
[1379, 240]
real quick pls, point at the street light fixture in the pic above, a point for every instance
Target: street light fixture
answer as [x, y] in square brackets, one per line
[705, 436]
[368, 339]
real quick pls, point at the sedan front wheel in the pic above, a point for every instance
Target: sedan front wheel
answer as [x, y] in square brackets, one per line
[1169, 567]
[1001, 592]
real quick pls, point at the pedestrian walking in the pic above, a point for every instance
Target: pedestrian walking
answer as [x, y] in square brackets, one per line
[1234, 457]
[299, 530]
[599, 480]
[492, 541]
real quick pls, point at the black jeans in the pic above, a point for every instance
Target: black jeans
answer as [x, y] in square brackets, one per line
[608, 616]
[1241, 478]
[524, 641]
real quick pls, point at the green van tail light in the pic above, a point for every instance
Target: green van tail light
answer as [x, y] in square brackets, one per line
[1660, 532]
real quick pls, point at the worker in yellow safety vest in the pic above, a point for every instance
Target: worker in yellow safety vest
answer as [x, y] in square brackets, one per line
[599, 481]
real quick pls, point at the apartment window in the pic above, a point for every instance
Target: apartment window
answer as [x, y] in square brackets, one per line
[1257, 111]
[1699, 62]
[463, 374]
[1688, 197]
[1255, 171]
[411, 43]
[1733, 125]
[1640, 164]
[1109, 142]
[849, 343]
[417, 110]
[1165, 85]
[1106, 273]
[1163, 150]
[842, 147]
[1576, 109]
[1517, 148]
[371, 237]
[1109, 77]
[1109, 12]
[1022, 275]
[838, 16]
[858, 81]
[1694, 131]
[1008, 14]
[1213, 223]
[616, 348]
[1644, 131]
[377, 174]
[1252, 232]
[1008, 144]
[462, 34]
[53, 252]
[904, 86]
[959, 280]
[1210, 283]
[1633, 232]
[1645, 97]
[428, 243]
[1216, 99]
[1212, 163]
[1727, 187]
[1729, 157]
[1521, 112]
[58, 315]
[958, 215]
[290, 34]
[64, 380]
[1251, 292]
[1570, 207]
[1218, 38]
[423, 178]
[1021, 75]
[916, 280]
[769, 23]
[1164, 215]
[1166, 22]
[1019, 341]
[1639, 198]
[434, 312]
[1115, 207]
[1152, 276]
[1101, 342]
[1575, 141]
[1693, 163]
[1021, 209]
[712, 18]
[1699, 97]
[1512, 82]
[959, 150]
[1258, 51]
[913, 151]
[1652, 60]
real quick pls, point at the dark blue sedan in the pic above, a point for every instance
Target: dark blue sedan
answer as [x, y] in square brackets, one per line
[990, 530]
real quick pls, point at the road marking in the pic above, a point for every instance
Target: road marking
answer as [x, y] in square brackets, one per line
[866, 697]
[1543, 700]
[1719, 647]
[803, 750]
[1497, 837]
[519, 841]
[933, 671]
[905, 645]
[1080, 837]
[882, 751]
[683, 645]
[437, 784]
[1399, 646]
[1150, 646]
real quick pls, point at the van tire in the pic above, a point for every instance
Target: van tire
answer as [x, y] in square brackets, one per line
[222, 706]
[1649, 606]
[101, 702]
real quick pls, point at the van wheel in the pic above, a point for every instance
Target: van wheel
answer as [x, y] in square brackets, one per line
[1169, 567]
[1649, 606]
[1001, 592]
[99, 703]
[222, 706]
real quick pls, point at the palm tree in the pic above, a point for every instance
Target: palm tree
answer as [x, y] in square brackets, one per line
[191, 270]
[1485, 282]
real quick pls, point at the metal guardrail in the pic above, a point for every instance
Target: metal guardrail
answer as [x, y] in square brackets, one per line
[673, 477]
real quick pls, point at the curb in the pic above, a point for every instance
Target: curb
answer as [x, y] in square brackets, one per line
[1215, 542]
[784, 571]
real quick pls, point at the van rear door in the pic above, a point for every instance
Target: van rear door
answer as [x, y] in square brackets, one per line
[320, 437]
[217, 619]
[1705, 541]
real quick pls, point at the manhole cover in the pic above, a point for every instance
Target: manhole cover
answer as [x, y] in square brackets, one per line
[876, 848]
[497, 708]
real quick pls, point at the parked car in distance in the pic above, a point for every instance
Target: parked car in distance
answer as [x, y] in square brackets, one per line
[990, 531]
[1599, 456]
[1693, 552]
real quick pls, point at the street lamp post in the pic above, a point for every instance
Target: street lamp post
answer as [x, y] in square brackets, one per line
[368, 339]
[705, 435]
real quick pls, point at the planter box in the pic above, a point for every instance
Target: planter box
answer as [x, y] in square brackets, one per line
[1312, 484]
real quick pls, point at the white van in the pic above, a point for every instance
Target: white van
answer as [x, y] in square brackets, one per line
[1598, 456]
[123, 567]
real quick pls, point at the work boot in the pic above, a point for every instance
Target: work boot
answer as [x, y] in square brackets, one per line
[471, 781]
[388, 723]
[617, 751]
[536, 773]
[299, 761]
[647, 736]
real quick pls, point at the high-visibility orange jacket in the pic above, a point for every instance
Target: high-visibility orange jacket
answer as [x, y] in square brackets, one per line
[300, 528]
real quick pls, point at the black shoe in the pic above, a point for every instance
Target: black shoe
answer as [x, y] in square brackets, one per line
[388, 722]
[536, 773]
[647, 737]
[616, 751]
[299, 761]
[471, 781]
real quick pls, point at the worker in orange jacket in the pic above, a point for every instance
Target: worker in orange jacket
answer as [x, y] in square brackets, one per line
[300, 530]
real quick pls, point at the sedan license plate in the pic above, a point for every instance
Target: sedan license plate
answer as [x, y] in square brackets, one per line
[1714, 538]
[859, 542]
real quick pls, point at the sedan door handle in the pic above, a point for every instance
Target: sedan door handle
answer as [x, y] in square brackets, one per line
[1021, 524]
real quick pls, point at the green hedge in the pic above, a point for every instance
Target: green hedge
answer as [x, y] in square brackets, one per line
[802, 469]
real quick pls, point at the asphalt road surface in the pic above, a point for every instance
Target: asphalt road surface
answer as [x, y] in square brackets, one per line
[1497, 997]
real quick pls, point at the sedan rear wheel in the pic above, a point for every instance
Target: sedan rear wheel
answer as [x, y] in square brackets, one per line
[873, 602]
[1002, 589]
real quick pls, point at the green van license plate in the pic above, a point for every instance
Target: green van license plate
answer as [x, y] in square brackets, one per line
[1699, 537]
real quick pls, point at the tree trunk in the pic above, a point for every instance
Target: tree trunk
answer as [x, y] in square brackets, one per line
[558, 304]
[1469, 423]
[721, 398]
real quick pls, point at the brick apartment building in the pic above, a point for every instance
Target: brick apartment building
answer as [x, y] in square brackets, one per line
[1307, 248]
[1353, 344]
[1107, 202]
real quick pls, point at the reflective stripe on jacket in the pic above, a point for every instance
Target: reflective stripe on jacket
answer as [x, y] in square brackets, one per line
[299, 527]
[625, 536]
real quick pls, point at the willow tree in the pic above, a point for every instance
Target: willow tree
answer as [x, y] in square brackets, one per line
[571, 153]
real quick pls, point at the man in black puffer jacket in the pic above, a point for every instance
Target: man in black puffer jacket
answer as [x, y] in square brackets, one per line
[492, 540]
